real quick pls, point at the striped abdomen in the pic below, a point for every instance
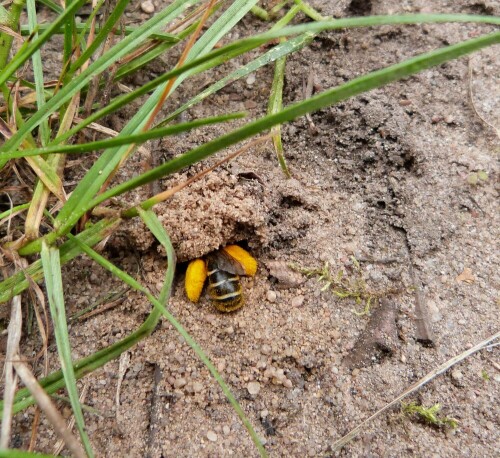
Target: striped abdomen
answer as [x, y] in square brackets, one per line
[224, 288]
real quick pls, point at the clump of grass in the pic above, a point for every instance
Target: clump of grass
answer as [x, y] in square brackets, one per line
[428, 415]
[343, 284]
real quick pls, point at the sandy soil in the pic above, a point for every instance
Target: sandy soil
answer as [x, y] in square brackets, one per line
[386, 178]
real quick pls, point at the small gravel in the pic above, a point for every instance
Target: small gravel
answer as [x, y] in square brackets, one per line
[148, 7]
[211, 436]
[253, 388]
[271, 296]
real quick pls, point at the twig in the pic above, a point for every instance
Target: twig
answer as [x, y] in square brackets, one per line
[13, 340]
[424, 332]
[45, 403]
[60, 443]
[122, 369]
[420, 383]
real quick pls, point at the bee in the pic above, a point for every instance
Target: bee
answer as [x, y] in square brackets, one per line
[223, 269]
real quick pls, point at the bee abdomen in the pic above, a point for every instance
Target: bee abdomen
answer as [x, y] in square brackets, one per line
[224, 289]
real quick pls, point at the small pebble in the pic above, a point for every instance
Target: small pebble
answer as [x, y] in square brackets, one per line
[180, 382]
[249, 104]
[355, 372]
[197, 387]
[271, 296]
[251, 79]
[457, 375]
[226, 430]
[266, 349]
[211, 436]
[335, 333]
[253, 388]
[297, 301]
[148, 7]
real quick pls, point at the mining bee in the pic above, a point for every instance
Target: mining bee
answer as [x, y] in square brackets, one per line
[223, 268]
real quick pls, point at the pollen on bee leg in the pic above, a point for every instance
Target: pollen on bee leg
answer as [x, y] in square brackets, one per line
[248, 262]
[196, 275]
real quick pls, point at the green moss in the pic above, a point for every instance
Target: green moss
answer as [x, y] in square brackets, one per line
[428, 415]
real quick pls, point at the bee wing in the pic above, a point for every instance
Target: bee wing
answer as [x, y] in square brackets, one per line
[226, 262]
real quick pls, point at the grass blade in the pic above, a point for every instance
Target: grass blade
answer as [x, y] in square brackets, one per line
[329, 97]
[17, 283]
[103, 33]
[53, 282]
[275, 106]
[157, 229]
[36, 58]
[101, 64]
[273, 54]
[25, 52]
[123, 140]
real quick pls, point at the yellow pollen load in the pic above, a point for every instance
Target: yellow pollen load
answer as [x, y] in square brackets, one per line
[196, 275]
[248, 262]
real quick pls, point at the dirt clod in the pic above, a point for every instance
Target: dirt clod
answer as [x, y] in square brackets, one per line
[378, 340]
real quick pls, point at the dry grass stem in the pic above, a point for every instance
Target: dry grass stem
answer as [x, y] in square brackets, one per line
[47, 406]
[419, 384]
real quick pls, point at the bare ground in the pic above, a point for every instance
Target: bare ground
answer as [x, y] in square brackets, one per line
[386, 178]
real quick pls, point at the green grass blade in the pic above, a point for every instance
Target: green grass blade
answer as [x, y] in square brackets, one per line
[53, 6]
[101, 64]
[329, 97]
[106, 164]
[127, 30]
[103, 33]
[275, 106]
[69, 35]
[157, 229]
[219, 29]
[143, 59]
[272, 55]
[36, 59]
[240, 47]
[123, 140]
[83, 29]
[25, 52]
[53, 282]
[17, 283]
[12, 210]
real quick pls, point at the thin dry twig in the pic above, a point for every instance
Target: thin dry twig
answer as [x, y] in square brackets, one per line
[424, 332]
[45, 403]
[60, 443]
[122, 369]
[14, 337]
[419, 384]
